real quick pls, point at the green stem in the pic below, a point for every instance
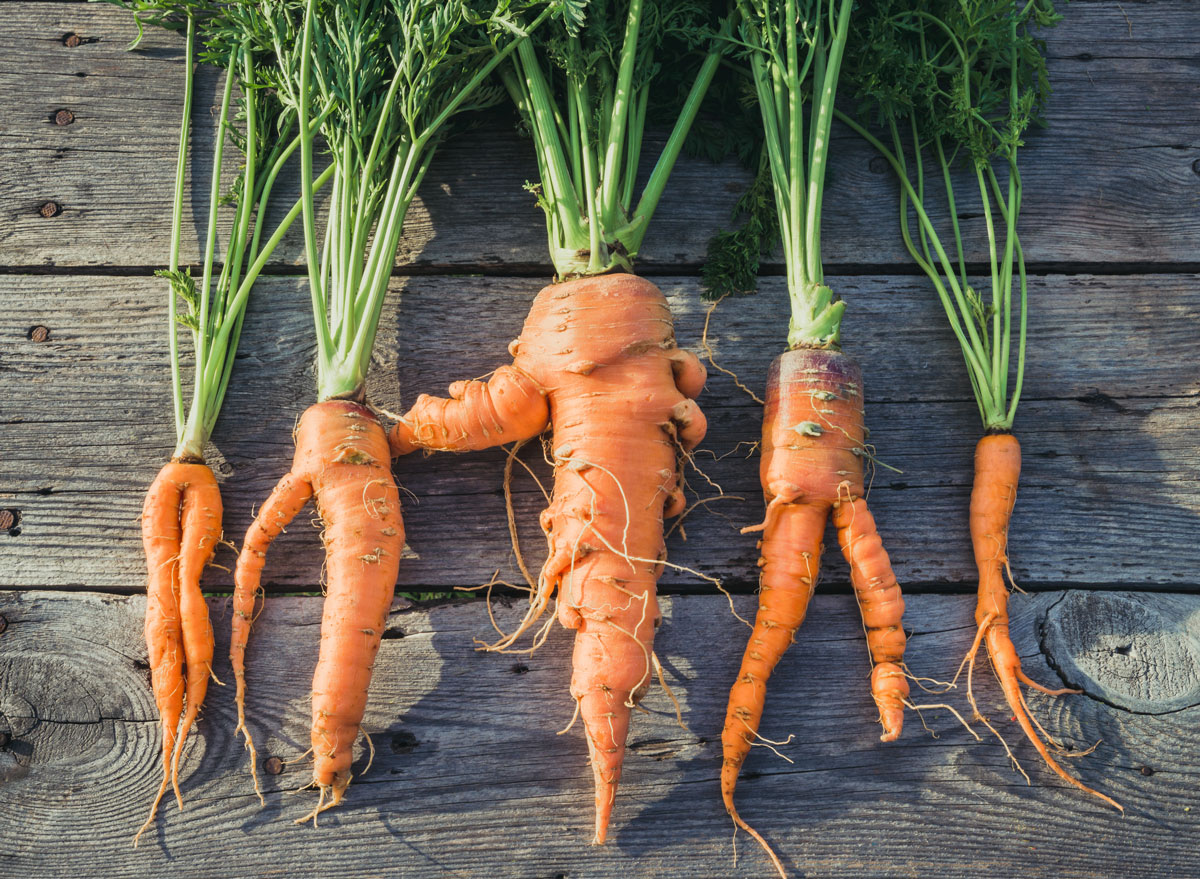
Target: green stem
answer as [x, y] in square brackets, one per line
[997, 297]
[657, 182]
[324, 343]
[620, 107]
[820, 149]
[214, 201]
[970, 348]
[177, 223]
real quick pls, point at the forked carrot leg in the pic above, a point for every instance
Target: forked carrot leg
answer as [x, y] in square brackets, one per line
[287, 499]
[997, 470]
[201, 516]
[881, 606]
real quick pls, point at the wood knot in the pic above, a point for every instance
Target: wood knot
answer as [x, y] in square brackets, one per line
[1132, 651]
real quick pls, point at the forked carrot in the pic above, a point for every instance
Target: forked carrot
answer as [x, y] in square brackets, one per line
[181, 527]
[181, 517]
[813, 436]
[342, 461]
[377, 82]
[813, 447]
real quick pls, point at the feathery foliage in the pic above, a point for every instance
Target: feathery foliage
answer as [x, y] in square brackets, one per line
[949, 82]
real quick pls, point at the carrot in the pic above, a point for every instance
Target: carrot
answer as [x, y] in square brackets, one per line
[342, 462]
[979, 119]
[597, 358]
[181, 527]
[812, 464]
[993, 495]
[814, 438]
[181, 517]
[599, 353]
[376, 81]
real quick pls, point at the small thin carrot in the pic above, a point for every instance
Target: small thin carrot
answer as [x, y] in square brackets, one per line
[993, 495]
[979, 122]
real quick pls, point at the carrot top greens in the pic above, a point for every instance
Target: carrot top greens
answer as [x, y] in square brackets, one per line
[959, 81]
[378, 81]
[585, 92]
[794, 49]
[212, 308]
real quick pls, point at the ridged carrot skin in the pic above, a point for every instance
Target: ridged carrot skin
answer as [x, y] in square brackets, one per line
[597, 360]
[342, 460]
[813, 446]
[993, 496]
[181, 527]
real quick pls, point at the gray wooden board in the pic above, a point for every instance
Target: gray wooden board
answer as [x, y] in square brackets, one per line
[1113, 179]
[1109, 424]
[469, 778]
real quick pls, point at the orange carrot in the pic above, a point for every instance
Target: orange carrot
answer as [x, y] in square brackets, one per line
[812, 465]
[993, 495]
[342, 461]
[181, 527]
[597, 360]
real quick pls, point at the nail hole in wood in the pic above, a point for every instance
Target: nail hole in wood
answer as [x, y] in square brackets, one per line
[71, 41]
[63, 117]
[10, 521]
[273, 766]
[1123, 650]
[50, 209]
[38, 333]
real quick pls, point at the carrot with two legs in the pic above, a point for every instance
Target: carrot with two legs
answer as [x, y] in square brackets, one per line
[377, 81]
[813, 434]
[181, 517]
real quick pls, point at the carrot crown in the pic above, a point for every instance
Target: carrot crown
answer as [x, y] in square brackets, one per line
[213, 308]
[953, 81]
[585, 93]
[378, 81]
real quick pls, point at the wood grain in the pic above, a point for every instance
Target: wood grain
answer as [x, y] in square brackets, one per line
[1111, 180]
[469, 778]
[1111, 431]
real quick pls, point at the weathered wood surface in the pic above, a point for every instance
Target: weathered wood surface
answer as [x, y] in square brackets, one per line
[469, 778]
[1111, 431]
[1115, 178]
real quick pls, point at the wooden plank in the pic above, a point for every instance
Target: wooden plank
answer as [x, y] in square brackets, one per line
[469, 778]
[1113, 179]
[1112, 451]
